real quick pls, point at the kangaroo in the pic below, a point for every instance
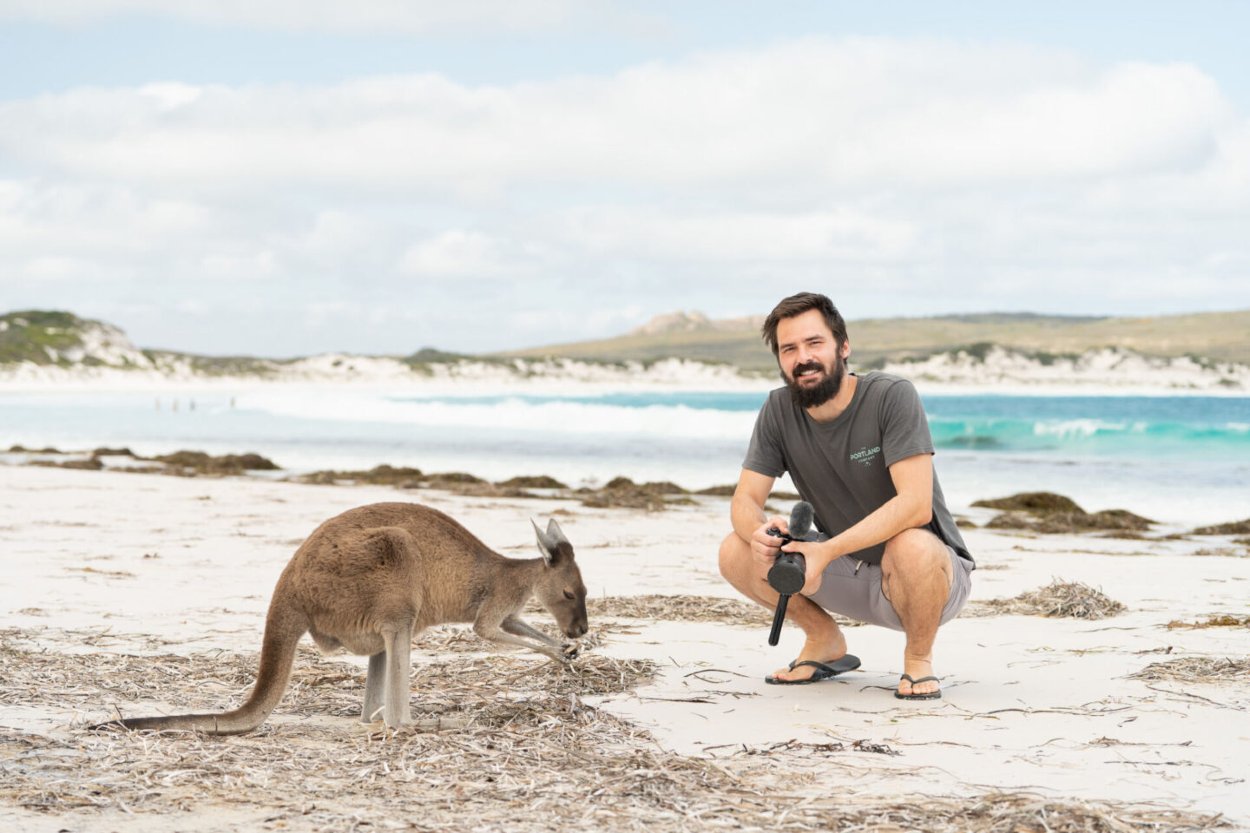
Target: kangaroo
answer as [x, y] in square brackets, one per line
[372, 578]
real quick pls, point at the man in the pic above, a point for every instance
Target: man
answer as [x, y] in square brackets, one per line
[858, 449]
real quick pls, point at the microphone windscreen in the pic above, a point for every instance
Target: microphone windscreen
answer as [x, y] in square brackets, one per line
[801, 517]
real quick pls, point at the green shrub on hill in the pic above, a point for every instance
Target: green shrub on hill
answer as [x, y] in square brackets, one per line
[29, 335]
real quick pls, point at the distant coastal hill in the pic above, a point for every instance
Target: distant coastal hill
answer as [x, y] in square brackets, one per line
[1207, 352]
[42, 348]
[1206, 338]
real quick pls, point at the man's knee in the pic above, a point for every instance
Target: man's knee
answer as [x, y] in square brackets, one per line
[732, 552]
[914, 550]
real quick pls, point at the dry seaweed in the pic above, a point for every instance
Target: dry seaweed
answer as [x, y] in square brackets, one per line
[503, 743]
[383, 475]
[1039, 503]
[681, 608]
[112, 452]
[623, 493]
[1057, 599]
[1223, 620]
[404, 477]
[89, 464]
[618, 493]
[1061, 523]
[1196, 670]
[180, 463]
[1049, 513]
[1231, 528]
[199, 462]
[533, 481]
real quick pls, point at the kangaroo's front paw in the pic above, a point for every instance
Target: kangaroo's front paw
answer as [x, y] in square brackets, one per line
[570, 650]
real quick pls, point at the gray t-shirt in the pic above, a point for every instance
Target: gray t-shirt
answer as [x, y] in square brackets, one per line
[842, 467]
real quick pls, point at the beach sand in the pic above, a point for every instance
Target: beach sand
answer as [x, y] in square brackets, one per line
[1042, 717]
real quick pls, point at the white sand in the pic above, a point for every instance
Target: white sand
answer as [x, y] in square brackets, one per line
[1030, 703]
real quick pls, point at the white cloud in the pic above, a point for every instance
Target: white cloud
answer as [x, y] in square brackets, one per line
[460, 253]
[915, 176]
[38, 217]
[841, 233]
[850, 114]
[388, 16]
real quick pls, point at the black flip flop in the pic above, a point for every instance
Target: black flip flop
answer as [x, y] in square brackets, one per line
[824, 670]
[932, 695]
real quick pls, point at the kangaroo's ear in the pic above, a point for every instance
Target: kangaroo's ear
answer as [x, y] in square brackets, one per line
[555, 533]
[546, 544]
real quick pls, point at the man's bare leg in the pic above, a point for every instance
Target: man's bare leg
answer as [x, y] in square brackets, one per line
[825, 642]
[916, 578]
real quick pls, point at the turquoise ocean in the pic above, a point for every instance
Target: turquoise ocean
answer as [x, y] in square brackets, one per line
[1179, 459]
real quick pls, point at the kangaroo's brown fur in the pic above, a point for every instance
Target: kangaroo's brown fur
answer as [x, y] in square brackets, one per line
[370, 579]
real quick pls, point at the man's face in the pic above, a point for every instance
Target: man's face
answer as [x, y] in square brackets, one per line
[812, 364]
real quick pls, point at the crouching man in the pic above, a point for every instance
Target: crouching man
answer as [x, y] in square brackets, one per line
[858, 449]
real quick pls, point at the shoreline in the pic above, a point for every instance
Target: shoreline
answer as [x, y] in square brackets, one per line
[999, 374]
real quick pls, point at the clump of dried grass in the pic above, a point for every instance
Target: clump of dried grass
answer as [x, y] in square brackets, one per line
[520, 751]
[685, 608]
[1050, 513]
[1224, 620]
[1231, 528]
[191, 463]
[617, 493]
[1196, 670]
[1057, 599]
[679, 608]
[219, 680]
[623, 493]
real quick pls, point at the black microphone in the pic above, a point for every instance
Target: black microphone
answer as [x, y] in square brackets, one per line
[789, 572]
[801, 517]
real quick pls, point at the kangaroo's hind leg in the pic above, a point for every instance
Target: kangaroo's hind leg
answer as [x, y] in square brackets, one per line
[375, 688]
[395, 709]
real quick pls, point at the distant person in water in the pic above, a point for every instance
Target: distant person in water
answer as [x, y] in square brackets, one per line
[858, 449]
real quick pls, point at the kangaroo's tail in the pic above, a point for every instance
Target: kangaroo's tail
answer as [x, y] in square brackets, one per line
[283, 629]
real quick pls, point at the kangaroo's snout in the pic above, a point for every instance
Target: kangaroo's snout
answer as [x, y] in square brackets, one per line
[562, 590]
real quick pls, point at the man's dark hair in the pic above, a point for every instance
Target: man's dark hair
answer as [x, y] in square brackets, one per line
[797, 305]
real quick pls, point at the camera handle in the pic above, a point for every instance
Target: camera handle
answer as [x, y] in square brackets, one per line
[786, 576]
[789, 572]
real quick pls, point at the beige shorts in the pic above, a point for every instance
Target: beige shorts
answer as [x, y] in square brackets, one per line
[853, 588]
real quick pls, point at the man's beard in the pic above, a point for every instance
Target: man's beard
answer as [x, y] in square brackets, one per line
[823, 391]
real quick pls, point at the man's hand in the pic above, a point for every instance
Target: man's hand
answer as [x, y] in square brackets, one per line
[764, 547]
[817, 555]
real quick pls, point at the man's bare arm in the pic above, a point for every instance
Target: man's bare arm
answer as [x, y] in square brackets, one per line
[746, 511]
[751, 522]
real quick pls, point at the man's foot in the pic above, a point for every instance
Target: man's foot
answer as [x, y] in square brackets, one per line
[820, 670]
[916, 693]
[918, 682]
[826, 651]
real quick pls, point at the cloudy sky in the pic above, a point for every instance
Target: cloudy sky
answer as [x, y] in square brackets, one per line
[285, 177]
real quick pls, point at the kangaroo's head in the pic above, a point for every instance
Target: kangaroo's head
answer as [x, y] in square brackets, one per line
[561, 590]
